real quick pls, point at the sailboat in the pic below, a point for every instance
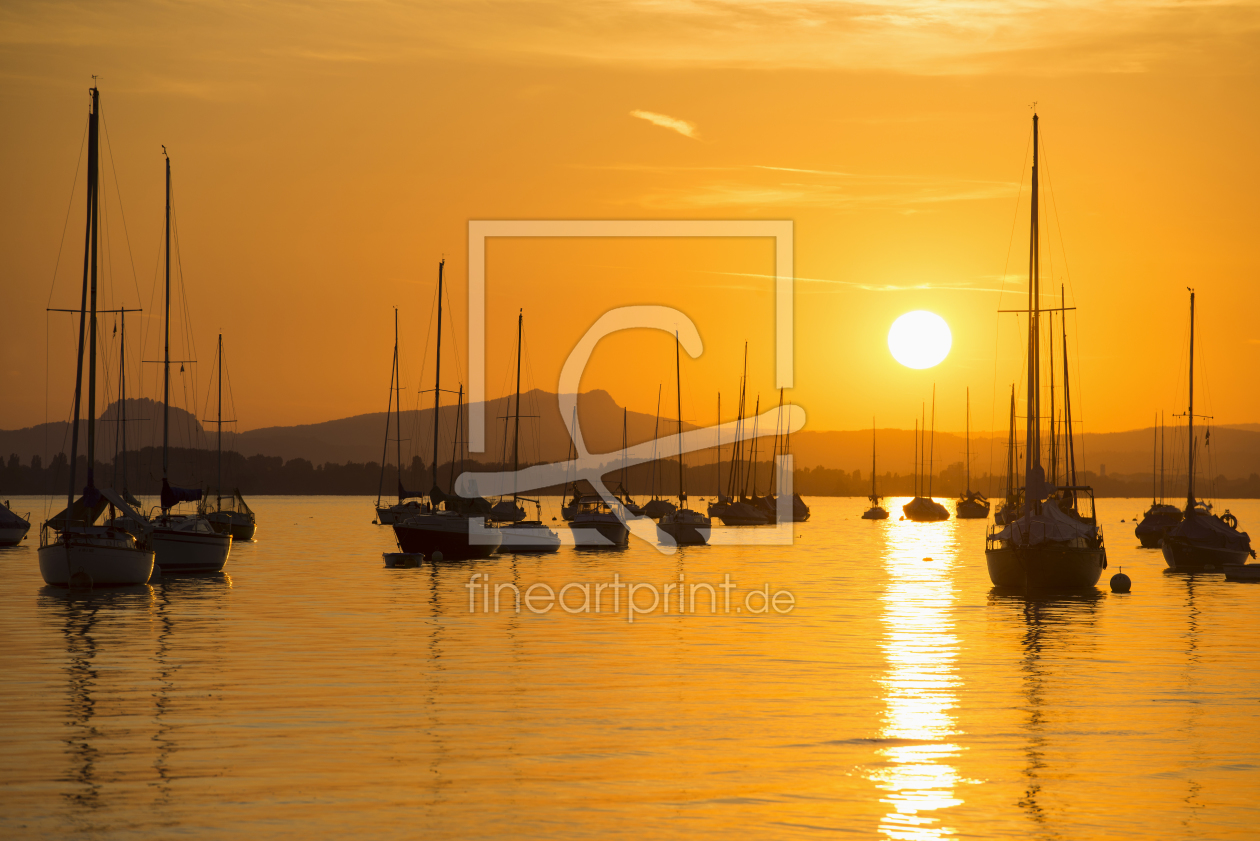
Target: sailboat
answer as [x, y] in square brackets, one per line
[521, 535]
[1202, 541]
[184, 543]
[1014, 501]
[1160, 517]
[876, 511]
[971, 505]
[623, 492]
[387, 515]
[73, 550]
[684, 526]
[744, 511]
[444, 530]
[238, 519]
[1055, 543]
[769, 504]
[657, 507]
[924, 509]
[13, 526]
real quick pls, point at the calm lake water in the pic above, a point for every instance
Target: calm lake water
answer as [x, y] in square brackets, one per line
[311, 693]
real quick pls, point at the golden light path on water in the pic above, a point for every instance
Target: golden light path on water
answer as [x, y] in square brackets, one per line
[920, 683]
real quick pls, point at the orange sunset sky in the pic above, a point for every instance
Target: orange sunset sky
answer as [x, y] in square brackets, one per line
[326, 155]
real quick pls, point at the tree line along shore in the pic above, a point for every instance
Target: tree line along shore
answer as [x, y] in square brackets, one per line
[259, 474]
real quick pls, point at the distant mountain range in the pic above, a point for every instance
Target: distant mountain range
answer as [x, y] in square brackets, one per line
[361, 439]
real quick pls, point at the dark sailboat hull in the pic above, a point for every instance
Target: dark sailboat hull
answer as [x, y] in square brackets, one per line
[451, 539]
[1185, 556]
[600, 534]
[237, 525]
[971, 511]
[686, 534]
[1046, 567]
[875, 513]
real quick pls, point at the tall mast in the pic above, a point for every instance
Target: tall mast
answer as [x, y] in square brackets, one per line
[1069, 457]
[219, 437]
[437, 378]
[1154, 461]
[96, 236]
[393, 372]
[516, 434]
[625, 414]
[736, 460]
[397, 409]
[1054, 449]
[1162, 434]
[89, 274]
[752, 451]
[682, 490]
[122, 390]
[1190, 414]
[1032, 436]
[718, 460]
[166, 344]
[932, 451]
[968, 449]
[916, 457]
[1010, 451]
[873, 495]
[656, 436]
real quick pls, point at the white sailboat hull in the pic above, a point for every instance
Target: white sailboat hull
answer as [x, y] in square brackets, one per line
[104, 565]
[180, 551]
[12, 535]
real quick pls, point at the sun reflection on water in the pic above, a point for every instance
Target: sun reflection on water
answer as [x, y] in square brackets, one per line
[920, 681]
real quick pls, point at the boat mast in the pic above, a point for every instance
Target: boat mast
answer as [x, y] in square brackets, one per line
[874, 497]
[219, 435]
[1054, 449]
[656, 436]
[625, 413]
[1190, 415]
[1162, 434]
[932, 451]
[737, 446]
[89, 277]
[1069, 460]
[166, 345]
[752, 451]
[682, 490]
[916, 457]
[397, 409]
[968, 449]
[437, 382]
[393, 372]
[516, 433]
[122, 390]
[1154, 462]
[1010, 452]
[1034, 478]
[718, 460]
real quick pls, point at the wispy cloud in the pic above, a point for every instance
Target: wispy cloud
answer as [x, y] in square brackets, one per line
[683, 127]
[872, 287]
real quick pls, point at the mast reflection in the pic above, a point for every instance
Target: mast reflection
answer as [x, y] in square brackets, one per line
[83, 619]
[1048, 626]
[920, 681]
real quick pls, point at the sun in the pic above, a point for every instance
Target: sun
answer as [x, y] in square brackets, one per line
[920, 339]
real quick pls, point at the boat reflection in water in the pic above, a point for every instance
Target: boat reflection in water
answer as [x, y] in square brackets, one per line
[1048, 628]
[920, 683]
[122, 660]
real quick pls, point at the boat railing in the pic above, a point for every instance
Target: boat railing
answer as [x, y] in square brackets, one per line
[1033, 533]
